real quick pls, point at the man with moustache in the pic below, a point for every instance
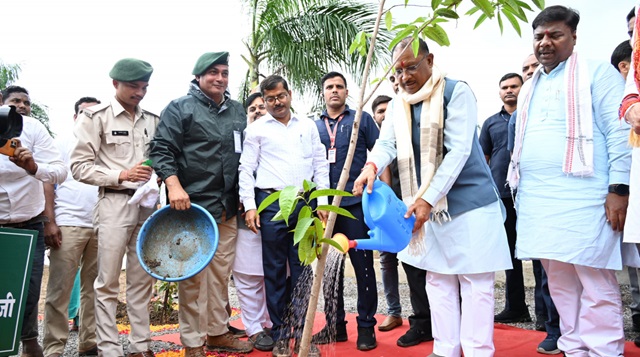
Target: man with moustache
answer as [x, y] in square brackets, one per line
[36, 162]
[575, 152]
[113, 141]
[280, 150]
[335, 126]
[529, 66]
[441, 167]
[77, 247]
[196, 151]
[248, 274]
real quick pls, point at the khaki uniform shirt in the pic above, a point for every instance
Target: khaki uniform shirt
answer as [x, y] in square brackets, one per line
[110, 142]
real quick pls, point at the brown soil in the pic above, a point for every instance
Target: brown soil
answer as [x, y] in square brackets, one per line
[155, 314]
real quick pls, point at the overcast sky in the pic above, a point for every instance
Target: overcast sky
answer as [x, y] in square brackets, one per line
[67, 47]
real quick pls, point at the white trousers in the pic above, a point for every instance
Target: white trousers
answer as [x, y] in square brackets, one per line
[590, 308]
[253, 302]
[457, 329]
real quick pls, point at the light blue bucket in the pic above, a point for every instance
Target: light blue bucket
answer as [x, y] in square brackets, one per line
[176, 245]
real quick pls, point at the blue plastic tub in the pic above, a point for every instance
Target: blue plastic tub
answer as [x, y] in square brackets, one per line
[176, 245]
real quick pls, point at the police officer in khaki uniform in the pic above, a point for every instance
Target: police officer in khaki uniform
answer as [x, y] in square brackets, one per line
[112, 144]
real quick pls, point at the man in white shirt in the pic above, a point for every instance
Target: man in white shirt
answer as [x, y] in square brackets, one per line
[282, 150]
[35, 161]
[78, 247]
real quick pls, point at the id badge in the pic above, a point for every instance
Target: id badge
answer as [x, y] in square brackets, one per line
[237, 141]
[331, 155]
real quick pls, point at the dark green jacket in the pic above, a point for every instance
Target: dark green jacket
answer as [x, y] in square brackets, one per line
[195, 141]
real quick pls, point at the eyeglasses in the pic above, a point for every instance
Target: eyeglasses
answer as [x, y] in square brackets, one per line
[256, 107]
[410, 69]
[280, 97]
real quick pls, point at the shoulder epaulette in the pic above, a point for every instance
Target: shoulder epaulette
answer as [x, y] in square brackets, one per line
[148, 112]
[90, 111]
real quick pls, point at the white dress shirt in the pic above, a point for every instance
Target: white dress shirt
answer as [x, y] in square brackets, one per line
[74, 200]
[281, 155]
[22, 194]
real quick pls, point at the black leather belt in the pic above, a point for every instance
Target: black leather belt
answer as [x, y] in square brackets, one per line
[126, 191]
[268, 190]
[32, 221]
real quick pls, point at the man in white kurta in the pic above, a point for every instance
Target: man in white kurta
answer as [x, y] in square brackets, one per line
[572, 159]
[462, 252]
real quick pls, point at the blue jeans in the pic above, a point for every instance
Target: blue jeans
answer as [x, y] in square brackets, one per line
[545, 307]
[30, 321]
[389, 271]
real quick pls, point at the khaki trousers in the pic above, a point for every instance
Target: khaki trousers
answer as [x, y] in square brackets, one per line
[79, 248]
[200, 316]
[118, 225]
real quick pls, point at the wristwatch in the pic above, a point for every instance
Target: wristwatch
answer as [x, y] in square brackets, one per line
[619, 189]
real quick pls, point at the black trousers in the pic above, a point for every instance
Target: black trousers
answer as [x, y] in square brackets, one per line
[417, 279]
[286, 309]
[514, 286]
[362, 261]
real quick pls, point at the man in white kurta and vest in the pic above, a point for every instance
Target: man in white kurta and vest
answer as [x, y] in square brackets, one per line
[459, 237]
[570, 165]
[113, 140]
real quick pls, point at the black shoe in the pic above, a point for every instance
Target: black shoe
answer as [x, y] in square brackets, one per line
[635, 323]
[366, 338]
[328, 335]
[512, 316]
[236, 332]
[540, 323]
[637, 341]
[413, 337]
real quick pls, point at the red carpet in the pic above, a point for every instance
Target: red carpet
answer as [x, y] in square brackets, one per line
[509, 341]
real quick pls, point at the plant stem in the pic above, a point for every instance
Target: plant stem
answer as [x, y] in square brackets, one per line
[305, 343]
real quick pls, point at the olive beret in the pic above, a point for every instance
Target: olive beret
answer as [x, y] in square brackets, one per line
[209, 59]
[131, 70]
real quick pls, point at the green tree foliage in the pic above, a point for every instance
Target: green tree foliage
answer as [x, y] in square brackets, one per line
[304, 39]
[9, 74]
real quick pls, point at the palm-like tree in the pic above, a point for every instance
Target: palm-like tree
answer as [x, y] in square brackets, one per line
[302, 39]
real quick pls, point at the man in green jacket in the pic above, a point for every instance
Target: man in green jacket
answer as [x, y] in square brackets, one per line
[196, 151]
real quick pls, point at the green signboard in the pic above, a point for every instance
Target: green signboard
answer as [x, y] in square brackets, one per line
[17, 247]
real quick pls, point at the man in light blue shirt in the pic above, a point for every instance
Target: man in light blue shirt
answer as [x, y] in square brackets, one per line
[570, 165]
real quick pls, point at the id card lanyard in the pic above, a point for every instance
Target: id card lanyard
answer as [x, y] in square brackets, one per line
[331, 153]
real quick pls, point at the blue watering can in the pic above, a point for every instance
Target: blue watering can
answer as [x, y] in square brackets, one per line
[384, 214]
[176, 245]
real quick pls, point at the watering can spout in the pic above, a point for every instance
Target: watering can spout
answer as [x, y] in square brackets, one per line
[384, 214]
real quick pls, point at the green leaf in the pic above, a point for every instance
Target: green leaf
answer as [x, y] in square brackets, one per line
[269, 200]
[332, 243]
[339, 210]
[539, 3]
[388, 20]
[512, 7]
[354, 46]
[485, 6]
[302, 229]
[500, 23]
[435, 4]
[288, 200]
[480, 21]
[305, 212]
[317, 224]
[448, 13]
[415, 44]
[305, 185]
[303, 249]
[402, 35]
[472, 11]
[278, 216]
[329, 192]
[512, 20]
[437, 34]
[523, 5]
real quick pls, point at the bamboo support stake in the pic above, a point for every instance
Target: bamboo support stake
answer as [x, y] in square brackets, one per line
[305, 343]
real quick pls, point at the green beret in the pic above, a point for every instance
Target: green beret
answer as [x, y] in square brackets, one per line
[209, 59]
[131, 70]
